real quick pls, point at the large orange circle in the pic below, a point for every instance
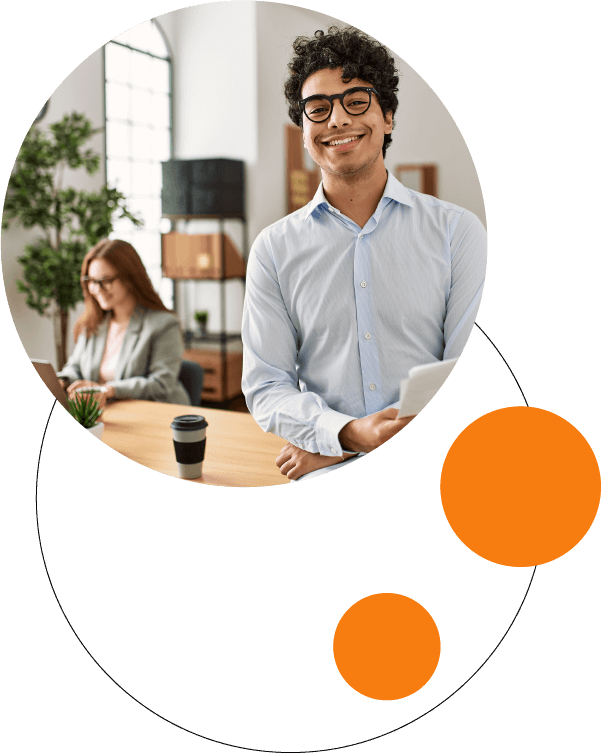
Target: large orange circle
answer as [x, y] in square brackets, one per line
[520, 486]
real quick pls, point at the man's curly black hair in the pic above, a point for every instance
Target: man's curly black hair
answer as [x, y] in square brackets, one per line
[359, 56]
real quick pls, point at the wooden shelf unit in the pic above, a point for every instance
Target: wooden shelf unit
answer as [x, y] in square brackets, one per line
[209, 257]
[223, 374]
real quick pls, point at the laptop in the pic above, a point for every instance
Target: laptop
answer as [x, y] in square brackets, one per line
[46, 371]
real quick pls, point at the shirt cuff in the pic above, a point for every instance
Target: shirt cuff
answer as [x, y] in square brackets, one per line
[329, 424]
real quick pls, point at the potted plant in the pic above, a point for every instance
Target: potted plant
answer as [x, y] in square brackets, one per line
[70, 221]
[85, 408]
[202, 317]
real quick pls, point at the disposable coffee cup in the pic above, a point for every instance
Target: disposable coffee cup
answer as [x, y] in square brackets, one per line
[189, 441]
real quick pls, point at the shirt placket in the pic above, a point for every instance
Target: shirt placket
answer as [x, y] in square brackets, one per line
[366, 330]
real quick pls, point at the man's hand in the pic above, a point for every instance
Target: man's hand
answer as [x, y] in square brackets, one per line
[369, 432]
[294, 462]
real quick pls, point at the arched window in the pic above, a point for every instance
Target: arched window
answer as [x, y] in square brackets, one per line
[138, 112]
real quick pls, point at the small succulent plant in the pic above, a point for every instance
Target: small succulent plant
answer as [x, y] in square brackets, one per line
[85, 408]
[201, 316]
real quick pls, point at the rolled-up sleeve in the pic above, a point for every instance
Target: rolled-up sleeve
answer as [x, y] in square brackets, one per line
[269, 379]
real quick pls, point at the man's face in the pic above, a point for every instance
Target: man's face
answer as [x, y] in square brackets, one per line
[367, 130]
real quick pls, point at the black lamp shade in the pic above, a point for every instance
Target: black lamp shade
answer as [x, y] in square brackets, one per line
[211, 186]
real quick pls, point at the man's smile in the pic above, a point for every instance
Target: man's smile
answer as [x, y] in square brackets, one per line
[347, 142]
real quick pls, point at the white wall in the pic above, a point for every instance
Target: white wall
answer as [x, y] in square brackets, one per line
[229, 68]
[215, 96]
[425, 131]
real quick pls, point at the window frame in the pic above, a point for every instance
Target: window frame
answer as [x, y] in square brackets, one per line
[168, 58]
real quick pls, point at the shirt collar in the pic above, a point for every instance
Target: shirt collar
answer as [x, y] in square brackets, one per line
[394, 189]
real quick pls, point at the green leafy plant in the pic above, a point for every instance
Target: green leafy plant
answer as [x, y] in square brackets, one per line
[71, 221]
[202, 317]
[85, 408]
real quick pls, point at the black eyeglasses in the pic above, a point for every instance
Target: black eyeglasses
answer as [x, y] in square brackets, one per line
[355, 101]
[105, 284]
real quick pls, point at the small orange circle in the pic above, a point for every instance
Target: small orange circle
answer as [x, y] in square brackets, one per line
[386, 646]
[520, 486]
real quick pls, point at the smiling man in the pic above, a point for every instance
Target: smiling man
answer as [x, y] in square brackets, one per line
[369, 279]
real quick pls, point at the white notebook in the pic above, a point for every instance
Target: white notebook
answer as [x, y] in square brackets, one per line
[422, 384]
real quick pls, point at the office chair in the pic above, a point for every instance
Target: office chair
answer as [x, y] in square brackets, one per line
[191, 376]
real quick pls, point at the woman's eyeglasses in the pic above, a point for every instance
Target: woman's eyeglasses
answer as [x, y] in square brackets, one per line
[104, 284]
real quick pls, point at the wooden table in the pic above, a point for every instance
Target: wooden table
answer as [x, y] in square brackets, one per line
[238, 452]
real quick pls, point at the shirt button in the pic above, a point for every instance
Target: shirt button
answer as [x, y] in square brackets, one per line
[360, 235]
[368, 336]
[333, 450]
[372, 387]
[363, 284]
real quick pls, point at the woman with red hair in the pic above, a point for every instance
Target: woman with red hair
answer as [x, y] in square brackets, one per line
[128, 342]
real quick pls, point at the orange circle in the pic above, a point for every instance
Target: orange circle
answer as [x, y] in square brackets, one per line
[520, 486]
[386, 646]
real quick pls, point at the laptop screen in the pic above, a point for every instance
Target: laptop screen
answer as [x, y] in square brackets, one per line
[46, 371]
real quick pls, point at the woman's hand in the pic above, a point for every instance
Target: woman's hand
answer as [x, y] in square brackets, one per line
[105, 393]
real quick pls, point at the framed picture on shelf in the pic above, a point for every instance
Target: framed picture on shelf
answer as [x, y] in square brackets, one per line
[422, 177]
[302, 175]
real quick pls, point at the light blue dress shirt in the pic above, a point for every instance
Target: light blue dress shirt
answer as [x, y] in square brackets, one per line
[336, 315]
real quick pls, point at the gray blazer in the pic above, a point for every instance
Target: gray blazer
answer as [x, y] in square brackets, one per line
[149, 361]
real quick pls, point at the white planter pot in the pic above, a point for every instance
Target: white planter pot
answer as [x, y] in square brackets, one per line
[97, 429]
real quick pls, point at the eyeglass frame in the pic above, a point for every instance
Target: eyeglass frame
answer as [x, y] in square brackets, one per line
[100, 282]
[332, 97]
